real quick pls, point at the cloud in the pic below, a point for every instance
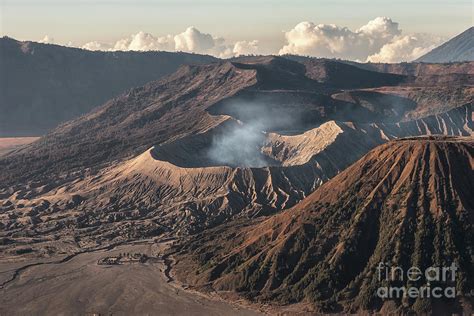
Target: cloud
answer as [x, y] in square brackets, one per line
[245, 48]
[47, 40]
[96, 46]
[50, 40]
[191, 40]
[405, 48]
[333, 41]
[137, 42]
[145, 42]
[379, 28]
[379, 40]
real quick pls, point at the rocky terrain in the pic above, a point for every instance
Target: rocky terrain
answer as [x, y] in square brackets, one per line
[214, 149]
[407, 203]
[196, 98]
[208, 144]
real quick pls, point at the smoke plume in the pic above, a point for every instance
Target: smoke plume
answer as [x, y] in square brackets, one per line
[241, 145]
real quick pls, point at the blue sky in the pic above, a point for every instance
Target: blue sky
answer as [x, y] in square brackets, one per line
[81, 21]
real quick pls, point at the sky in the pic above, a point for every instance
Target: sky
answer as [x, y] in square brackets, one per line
[240, 26]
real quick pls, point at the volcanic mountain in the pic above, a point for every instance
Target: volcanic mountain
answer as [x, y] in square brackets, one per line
[211, 143]
[42, 85]
[459, 48]
[197, 98]
[406, 203]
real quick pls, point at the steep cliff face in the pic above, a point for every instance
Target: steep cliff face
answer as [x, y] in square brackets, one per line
[406, 203]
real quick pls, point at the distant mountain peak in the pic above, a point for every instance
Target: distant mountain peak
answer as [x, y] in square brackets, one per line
[457, 49]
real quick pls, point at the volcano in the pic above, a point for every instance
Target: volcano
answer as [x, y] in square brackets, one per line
[459, 48]
[251, 152]
[406, 203]
[210, 144]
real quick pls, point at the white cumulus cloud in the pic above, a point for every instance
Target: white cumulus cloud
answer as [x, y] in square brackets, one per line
[144, 42]
[95, 45]
[379, 28]
[365, 43]
[245, 48]
[47, 40]
[191, 40]
[379, 40]
[405, 48]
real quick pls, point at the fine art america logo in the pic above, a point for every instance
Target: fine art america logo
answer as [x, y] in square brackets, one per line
[398, 282]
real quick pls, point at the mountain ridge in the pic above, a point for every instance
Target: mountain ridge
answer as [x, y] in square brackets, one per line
[42, 85]
[274, 133]
[458, 49]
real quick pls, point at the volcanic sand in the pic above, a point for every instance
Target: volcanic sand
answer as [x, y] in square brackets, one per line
[80, 286]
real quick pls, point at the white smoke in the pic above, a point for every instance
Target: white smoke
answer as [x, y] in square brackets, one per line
[379, 39]
[239, 146]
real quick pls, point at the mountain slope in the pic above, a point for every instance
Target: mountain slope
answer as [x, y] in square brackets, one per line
[134, 121]
[208, 144]
[42, 85]
[419, 68]
[191, 100]
[180, 188]
[345, 76]
[459, 48]
[407, 202]
[196, 98]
